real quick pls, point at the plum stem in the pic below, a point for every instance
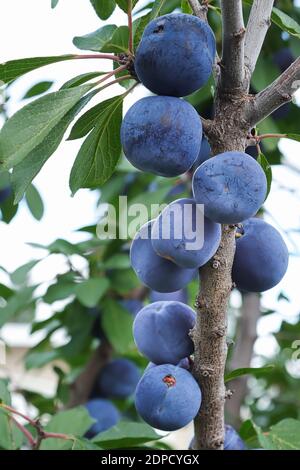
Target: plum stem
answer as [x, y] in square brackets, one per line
[97, 56]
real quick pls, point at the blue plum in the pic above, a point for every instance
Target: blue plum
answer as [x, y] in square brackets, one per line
[176, 55]
[161, 332]
[261, 257]
[205, 152]
[168, 397]
[232, 439]
[132, 305]
[183, 235]
[232, 186]
[155, 272]
[156, 138]
[105, 414]
[118, 379]
[179, 296]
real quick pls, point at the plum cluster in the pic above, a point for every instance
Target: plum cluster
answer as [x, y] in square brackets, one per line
[167, 396]
[163, 135]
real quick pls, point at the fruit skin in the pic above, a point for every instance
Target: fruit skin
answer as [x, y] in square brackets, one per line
[232, 186]
[176, 248]
[155, 272]
[156, 138]
[205, 152]
[105, 414]
[161, 332]
[118, 379]
[232, 439]
[168, 407]
[179, 296]
[176, 55]
[132, 305]
[261, 257]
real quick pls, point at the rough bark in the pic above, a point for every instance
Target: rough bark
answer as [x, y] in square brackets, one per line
[242, 354]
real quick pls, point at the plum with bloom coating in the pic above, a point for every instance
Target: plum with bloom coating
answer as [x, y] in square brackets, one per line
[176, 54]
[168, 397]
[118, 379]
[161, 332]
[162, 135]
[105, 414]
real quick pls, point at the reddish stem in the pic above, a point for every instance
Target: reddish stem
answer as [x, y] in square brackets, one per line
[130, 43]
[112, 73]
[25, 431]
[54, 435]
[18, 413]
[98, 56]
[271, 136]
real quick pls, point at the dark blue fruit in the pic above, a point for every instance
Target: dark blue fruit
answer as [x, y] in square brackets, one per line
[232, 186]
[176, 55]
[168, 397]
[105, 414]
[156, 138]
[183, 235]
[155, 272]
[232, 439]
[132, 305]
[205, 152]
[161, 332]
[179, 296]
[118, 379]
[261, 257]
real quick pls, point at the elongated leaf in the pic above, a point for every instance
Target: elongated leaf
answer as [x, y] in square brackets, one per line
[19, 276]
[38, 89]
[88, 120]
[25, 172]
[186, 7]
[118, 42]
[101, 150]
[30, 126]
[285, 435]
[126, 435]
[285, 22]
[54, 3]
[123, 4]
[139, 27]
[157, 8]
[34, 202]
[89, 292]
[255, 371]
[267, 169]
[117, 325]
[293, 137]
[81, 79]
[103, 8]
[15, 68]
[96, 40]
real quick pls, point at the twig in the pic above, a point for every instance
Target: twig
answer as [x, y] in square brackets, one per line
[274, 96]
[97, 56]
[232, 65]
[130, 41]
[258, 25]
[198, 9]
[25, 431]
[112, 73]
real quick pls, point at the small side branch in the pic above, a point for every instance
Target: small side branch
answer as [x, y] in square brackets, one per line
[274, 96]
[199, 8]
[130, 41]
[257, 28]
[232, 65]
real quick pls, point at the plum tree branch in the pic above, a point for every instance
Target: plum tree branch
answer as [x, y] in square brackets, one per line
[275, 95]
[257, 28]
[199, 9]
[232, 64]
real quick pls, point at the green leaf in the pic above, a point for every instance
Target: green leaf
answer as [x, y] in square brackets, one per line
[11, 437]
[5, 292]
[285, 435]
[267, 169]
[15, 304]
[81, 79]
[91, 291]
[4, 393]
[125, 435]
[74, 422]
[123, 4]
[255, 371]
[96, 40]
[15, 68]
[157, 8]
[38, 89]
[25, 172]
[59, 291]
[117, 325]
[139, 27]
[34, 202]
[54, 3]
[99, 154]
[27, 129]
[103, 8]
[118, 261]
[186, 7]
[118, 42]
[293, 137]
[19, 276]
[285, 22]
